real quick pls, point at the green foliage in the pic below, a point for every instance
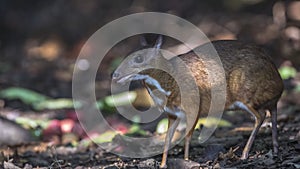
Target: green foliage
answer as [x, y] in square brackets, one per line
[162, 126]
[121, 99]
[30, 123]
[52, 104]
[105, 137]
[36, 124]
[41, 102]
[135, 129]
[211, 121]
[25, 95]
[287, 72]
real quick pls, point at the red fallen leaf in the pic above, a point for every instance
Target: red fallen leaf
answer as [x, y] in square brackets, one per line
[121, 128]
[66, 125]
[117, 125]
[53, 129]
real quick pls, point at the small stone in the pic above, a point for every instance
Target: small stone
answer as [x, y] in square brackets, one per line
[183, 164]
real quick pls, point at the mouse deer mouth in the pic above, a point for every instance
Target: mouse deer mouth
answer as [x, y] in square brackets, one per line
[125, 78]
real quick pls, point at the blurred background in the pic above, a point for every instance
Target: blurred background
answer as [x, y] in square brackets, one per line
[40, 42]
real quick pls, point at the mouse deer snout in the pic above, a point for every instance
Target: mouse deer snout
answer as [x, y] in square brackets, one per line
[115, 75]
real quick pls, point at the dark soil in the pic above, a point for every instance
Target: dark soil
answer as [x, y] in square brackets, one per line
[31, 28]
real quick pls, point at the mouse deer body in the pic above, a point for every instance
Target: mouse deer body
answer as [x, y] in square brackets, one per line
[253, 85]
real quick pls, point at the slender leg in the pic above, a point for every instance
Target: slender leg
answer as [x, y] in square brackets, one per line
[274, 130]
[259, 118]
[187, 145]
[191, 123]
[173, 123]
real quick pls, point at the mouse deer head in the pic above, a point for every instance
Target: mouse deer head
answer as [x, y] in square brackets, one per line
[138, 61]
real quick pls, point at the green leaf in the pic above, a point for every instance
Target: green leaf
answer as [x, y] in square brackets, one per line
[105, 137]
[26, 96]
[62, 103]
[136, 129]
[211, 121]
[287, 72]
[99, 104]
[162, 126]
[125, 98]
[31, 123]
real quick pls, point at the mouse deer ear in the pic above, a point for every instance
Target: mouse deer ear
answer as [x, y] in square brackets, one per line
[158, 42]
[154, 52]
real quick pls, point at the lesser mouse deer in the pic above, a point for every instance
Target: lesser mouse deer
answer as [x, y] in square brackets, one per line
[253, 85]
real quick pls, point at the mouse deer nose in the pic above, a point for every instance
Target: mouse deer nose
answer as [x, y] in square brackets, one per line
[115, 75]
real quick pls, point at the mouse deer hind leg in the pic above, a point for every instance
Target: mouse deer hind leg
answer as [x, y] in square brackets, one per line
[172, 124]
[273, 112]
[189, 132]
[259, 116]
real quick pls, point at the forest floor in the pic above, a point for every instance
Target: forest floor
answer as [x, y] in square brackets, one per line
[222, 150]
[39, 46]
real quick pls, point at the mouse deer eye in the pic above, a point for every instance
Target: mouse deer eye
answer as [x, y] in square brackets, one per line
[139, 59]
